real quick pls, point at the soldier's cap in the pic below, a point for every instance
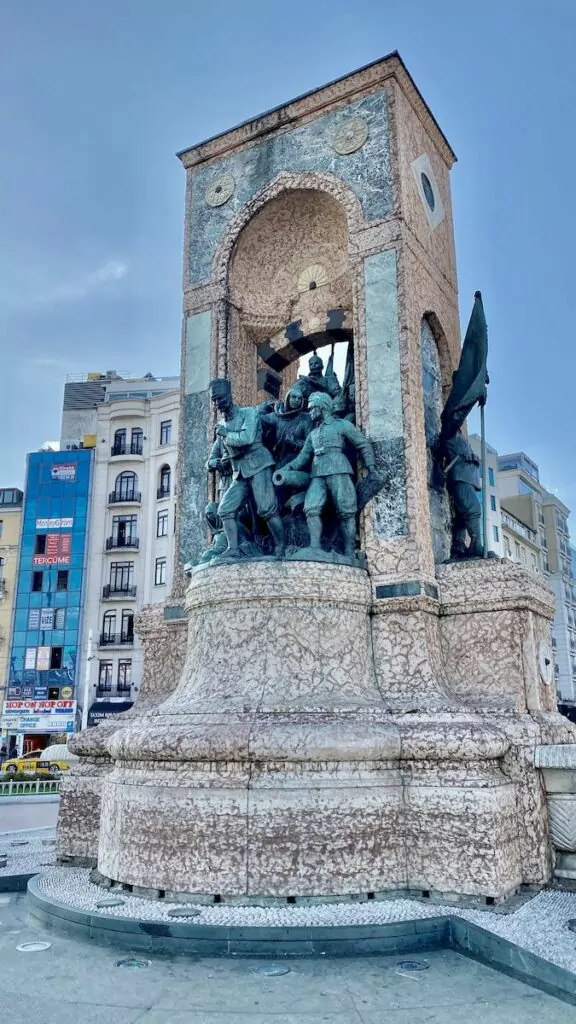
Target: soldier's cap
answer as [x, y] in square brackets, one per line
[320, 400]
[220, 386]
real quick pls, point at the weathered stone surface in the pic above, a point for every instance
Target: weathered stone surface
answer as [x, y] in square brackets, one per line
[164, 643]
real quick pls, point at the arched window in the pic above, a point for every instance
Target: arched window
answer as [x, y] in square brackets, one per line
[136, 441]
[108, 628]
[127, 625]
[164, 489]
[119, 446]
[126, 486]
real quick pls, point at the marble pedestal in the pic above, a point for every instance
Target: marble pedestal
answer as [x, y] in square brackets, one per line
[279, 768]
[164, 642]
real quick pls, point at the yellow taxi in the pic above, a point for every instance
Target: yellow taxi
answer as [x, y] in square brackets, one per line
[53, 760]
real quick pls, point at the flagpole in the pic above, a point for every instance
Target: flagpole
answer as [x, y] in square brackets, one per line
[484, 461]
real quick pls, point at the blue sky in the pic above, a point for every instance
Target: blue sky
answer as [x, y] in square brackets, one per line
[96, 98]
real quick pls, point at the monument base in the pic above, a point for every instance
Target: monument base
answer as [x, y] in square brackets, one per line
[277, 770]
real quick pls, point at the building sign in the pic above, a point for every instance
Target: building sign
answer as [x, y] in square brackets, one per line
[43, 659]
[66, 692]
[34, 619]
[38, 723]
[102, 709]
[16, 691]
[63, 471]
[55, 524]
[40, 692]
[39, 707]
[47, 618]
[30, 658]
[57, 551]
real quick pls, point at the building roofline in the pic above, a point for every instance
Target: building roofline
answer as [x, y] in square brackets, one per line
[393, 55]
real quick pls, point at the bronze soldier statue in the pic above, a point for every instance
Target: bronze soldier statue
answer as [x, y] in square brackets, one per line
[331, 474]
[252, 465]
[462, 470]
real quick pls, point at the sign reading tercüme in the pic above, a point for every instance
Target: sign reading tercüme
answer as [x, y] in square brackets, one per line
[57, 550]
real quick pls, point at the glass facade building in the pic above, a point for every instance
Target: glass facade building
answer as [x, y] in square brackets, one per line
[44, 666]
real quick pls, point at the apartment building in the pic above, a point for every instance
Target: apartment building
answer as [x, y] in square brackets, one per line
[544, 546]
[131, 550]
[11, 499]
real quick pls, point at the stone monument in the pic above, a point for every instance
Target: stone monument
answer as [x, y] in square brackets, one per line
[356, 712]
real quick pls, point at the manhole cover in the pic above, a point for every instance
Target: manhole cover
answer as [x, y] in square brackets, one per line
[183, 912]
[33, 947]
[111, 903]
[133, 964]
[412, 965]
[271, 970]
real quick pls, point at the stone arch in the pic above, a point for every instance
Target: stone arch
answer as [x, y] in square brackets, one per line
[288, 280]
[285, 182]
[444, 354]
[436, 378]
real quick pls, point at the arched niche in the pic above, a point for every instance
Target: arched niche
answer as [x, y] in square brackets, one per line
[289, 287]
[434, 391]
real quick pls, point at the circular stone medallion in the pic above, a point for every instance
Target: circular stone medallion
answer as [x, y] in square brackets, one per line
[33, 947]
[220, 191]
[545, 663]
[350, 136]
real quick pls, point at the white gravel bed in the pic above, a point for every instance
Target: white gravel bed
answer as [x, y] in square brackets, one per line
[539, 925]
[28, 851]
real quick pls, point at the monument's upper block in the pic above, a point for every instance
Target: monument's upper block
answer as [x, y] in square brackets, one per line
[347, 89]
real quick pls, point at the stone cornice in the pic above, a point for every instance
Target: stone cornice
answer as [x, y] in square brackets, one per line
[364, 80]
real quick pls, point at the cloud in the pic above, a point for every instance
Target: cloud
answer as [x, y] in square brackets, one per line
[53, 292]
[78, 288]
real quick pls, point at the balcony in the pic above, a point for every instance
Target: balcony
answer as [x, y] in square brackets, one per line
[119, 590]
[124, 498]
[122, 542]
[107, 692]
[116, 639]
[163, 492]
[123, 448]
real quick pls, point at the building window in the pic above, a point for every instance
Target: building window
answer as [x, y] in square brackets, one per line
[62, 579]
[124, 531]
[517, 550]
[59, 618]
[523, 556]
[1, 527]
[40, 544]
[507, 548]
[126, 485]
[105, 676]
[124, 675]
[119, 446]
[121, 575]
[166, 432]
[491, 476]
[160, 572]
[496, 533]
[109, 627]
[164, 489]
[534, 561]
[162, 523]
[37, 579]
[136, 441]
[56, 657]
[127, 624]
[492, 502]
